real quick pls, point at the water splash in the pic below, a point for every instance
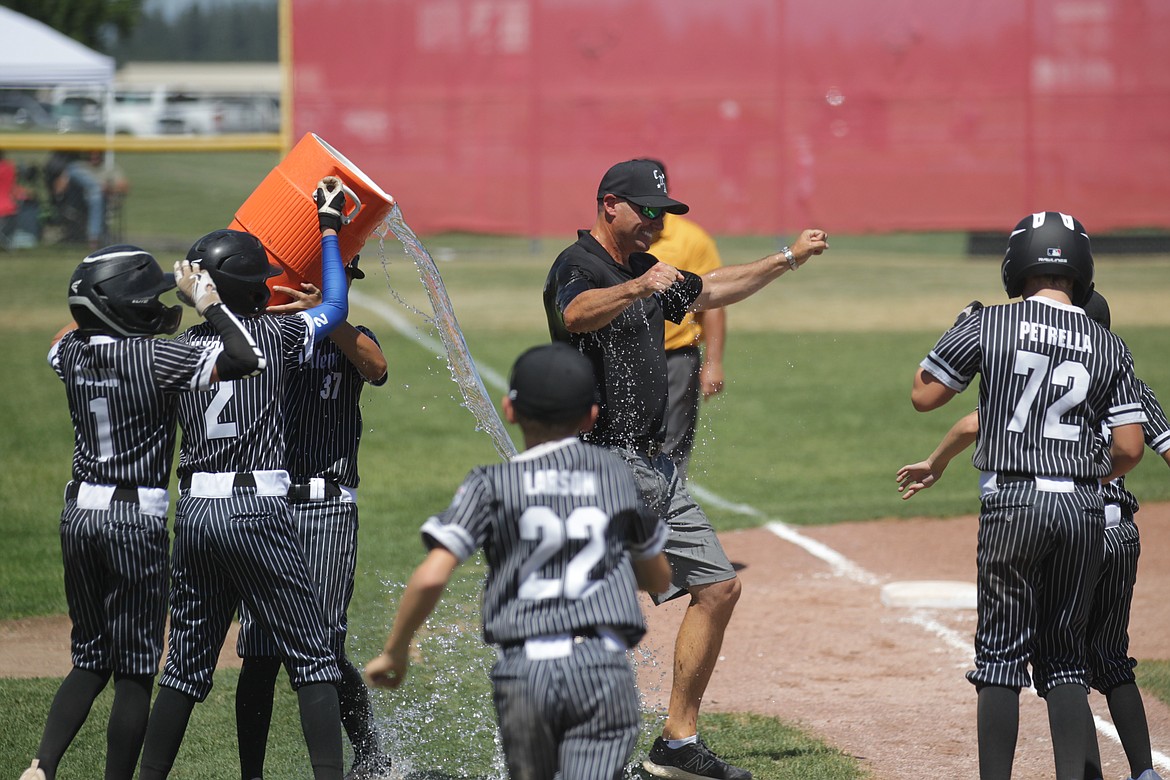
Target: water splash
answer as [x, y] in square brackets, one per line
[459, 362]
[442, 724]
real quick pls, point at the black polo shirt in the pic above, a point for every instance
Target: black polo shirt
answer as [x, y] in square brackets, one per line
[627, 354]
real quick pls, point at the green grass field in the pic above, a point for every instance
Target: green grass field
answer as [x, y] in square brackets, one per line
[813, 425]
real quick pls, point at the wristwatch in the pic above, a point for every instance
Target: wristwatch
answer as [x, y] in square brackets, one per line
[791, 258]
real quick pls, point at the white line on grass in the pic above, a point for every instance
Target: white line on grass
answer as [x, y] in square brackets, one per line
[840, 565]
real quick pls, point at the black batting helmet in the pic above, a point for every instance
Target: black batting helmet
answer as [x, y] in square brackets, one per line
[115, 290]
[239, 267]
[1049, 242]
[1098, 309]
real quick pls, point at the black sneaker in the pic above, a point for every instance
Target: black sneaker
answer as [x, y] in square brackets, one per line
[690, 762]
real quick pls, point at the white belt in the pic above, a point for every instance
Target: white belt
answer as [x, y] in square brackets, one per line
[1112, 515]
[549, 646]
[219, 484]
[317, 491]
[988, 484]
[151, 501]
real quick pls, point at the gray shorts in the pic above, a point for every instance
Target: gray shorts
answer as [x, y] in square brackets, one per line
[694, 551]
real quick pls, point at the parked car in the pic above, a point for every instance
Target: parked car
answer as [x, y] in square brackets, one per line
[137, 112]
[190, 114]
[19, 110]
[78, 114]
[250, 113]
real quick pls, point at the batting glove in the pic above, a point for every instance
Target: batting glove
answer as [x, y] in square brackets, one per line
[195, 286]
[330, 200]
[967, 311]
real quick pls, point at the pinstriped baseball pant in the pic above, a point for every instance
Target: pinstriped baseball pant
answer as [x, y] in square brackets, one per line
[1108, 637]
[228, 550]
[328, 534]
[578, 715]
[116, 586]
[1038, 558]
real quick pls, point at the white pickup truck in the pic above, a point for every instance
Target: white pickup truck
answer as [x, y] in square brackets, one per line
[158, 111]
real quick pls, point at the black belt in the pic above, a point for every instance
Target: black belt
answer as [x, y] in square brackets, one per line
[1017, 478]
[305, 492]
[129, 494]
[242, 479]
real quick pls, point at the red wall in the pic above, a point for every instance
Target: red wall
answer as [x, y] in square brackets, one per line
[771, 115]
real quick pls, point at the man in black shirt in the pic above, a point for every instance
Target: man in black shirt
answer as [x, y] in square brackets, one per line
[609, 298]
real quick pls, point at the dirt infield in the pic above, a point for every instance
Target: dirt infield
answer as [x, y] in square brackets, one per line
[812, 643]
[886, 685]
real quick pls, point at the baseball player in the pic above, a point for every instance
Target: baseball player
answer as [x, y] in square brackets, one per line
[1108, 635]
[234, 535]
[122, 387]
[693, 374]
[567, 541]
[1050, 378]
[323, 426]
[609, 298]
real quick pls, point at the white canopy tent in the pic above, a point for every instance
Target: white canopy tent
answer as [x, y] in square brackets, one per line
[32, 54]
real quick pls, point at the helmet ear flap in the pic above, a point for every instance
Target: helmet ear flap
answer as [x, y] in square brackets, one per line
[116, 290]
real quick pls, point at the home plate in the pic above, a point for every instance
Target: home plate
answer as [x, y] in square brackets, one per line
[929, 594]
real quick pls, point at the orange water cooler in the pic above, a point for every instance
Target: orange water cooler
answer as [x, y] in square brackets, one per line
[282, 214]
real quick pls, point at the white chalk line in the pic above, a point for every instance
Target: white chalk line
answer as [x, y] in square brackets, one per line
[838, 563]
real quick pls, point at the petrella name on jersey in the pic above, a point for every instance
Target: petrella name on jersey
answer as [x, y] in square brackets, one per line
[1039, 333]
[555, 482]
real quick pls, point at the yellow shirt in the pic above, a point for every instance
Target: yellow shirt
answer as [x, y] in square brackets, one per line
[687, 246]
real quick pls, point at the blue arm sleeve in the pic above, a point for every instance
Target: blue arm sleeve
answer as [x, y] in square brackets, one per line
[334, 306]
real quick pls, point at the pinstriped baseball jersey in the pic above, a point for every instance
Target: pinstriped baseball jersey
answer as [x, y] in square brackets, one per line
[324, 418]
[556, 523]
[1049, 377]
[239, 425]
[1156, 431]
[122, 398]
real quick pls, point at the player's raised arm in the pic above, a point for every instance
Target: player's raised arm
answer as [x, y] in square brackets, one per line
[241, 357]
[334, 306]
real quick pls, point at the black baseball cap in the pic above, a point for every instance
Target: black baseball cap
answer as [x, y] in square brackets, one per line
[642, 182]
[353, 270]
[552, 383]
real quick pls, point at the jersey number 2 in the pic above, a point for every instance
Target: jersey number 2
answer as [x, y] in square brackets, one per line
[1069, 373]
[211, 422]
[541, 525]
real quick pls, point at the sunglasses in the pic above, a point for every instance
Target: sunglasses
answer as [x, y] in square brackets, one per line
[649, 212]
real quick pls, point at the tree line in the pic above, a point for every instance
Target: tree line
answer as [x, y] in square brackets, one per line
[240, 31]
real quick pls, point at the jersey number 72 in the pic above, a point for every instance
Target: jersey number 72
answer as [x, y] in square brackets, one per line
[1035, 367]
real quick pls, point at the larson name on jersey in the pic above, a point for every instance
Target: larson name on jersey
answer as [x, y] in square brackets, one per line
[560, 483]
[1039, 333]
